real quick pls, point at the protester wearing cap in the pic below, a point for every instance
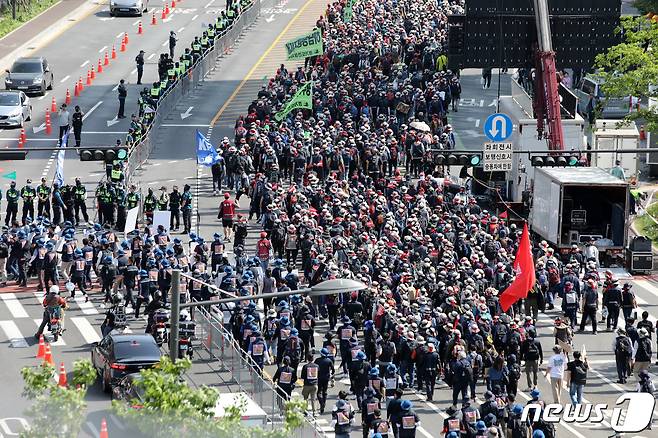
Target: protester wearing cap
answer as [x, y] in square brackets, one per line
[555, 369]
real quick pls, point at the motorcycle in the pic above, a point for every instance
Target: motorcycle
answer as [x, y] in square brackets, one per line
[185, 336]
[54, 314]
[159, 327]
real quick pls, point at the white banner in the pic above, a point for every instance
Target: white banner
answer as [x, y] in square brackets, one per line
[131, 220]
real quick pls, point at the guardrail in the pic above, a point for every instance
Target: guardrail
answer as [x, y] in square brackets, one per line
[221, 346]
[196, 74]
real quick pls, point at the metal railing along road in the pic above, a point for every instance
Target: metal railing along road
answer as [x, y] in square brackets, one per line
[140, 152]
[244, 372]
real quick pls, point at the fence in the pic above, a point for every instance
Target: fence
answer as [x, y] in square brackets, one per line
[221, 346]
[167, 103]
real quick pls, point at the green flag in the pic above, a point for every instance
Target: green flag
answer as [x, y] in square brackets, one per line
[303, 98]
[304, 46]
[347, 11]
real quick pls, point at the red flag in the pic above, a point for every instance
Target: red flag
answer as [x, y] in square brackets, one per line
[525, 273]
[503, 215]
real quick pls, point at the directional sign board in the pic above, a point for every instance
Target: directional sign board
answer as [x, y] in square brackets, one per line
[497, 157]
[498, 127]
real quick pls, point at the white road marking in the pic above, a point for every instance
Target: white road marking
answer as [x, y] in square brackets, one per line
[84, 63]
[477, 123]
[14, 305]
[165, 43]
[133, 72]
[119, 35]
[86, 329]
[195, 17]
[12, 332]
[88, 113]
[102, 49]
[151, 56]
[86, 307]
[103, 132]
[172, 161]
[136, 23]
[94, 431]
[115, 87]
[157, 164]
[64, 79]
[171, 180]
[209, 3]
[60, 342]
[177, 125]
[180, 30]
[118, 423]
[41, 98]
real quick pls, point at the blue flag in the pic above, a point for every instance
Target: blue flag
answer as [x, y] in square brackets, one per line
[205, 151]
[59, 170]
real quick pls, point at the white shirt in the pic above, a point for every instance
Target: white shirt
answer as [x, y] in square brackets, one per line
[64, 117]
[556, 365]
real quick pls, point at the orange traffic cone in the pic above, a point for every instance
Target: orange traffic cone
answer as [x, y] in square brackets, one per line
[125, 38]
[103, 430]
[48, 356]
[23, 137]
[93, 73]
[123, 46]
[62, 375]
[42, 348]
[140, 30]
[80, 85]
[49, 128]
[21, 144]
[67, 99]
[164, 14]
[100, 66]
[114, 53]
[153, 20]
[76, 91]
[53, 105]
[167, 8]
[107, 60]
[173, 4]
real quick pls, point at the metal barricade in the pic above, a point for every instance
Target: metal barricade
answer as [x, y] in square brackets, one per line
[140, 152]
[244, 372]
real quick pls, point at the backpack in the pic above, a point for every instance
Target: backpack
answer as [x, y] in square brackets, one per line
[553, 276]
[514, 372]
[518, 428]
[533, 350]
[624, 346]
[645, 386]
[544, 426]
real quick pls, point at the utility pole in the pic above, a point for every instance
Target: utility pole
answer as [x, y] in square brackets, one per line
[175, 315]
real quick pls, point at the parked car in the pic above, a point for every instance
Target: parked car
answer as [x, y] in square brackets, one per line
[613, 108]
[31, 75]
[128, 7]
[119, 354]
[15, 109]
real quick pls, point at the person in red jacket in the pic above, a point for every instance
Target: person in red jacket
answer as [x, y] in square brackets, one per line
[264, 250]
[226, 214]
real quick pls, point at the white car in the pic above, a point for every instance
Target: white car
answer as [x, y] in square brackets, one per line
[128, 7]
[15, 109]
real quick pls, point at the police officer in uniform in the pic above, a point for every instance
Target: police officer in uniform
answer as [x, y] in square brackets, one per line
[58, 204]
[326, 373]
[163, 200]
[132, 198]
[79, 199]
[121, 207]
[12, 203]
[174, 208]
[43, 201]
[28, 194]
[186, 207]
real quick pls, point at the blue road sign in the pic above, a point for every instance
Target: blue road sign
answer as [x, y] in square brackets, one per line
[498, 127]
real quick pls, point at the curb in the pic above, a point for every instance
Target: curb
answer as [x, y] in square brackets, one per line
[50, 33]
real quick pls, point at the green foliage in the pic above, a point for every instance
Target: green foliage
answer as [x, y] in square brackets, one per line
[646, 224]
[645, 6]
[55, 411]
[631, 67]
[23, 15]
[169, 407]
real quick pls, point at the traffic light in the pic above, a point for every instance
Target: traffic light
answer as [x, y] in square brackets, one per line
[10, 155]
[104, 153]
[556, 161]
[454, 159]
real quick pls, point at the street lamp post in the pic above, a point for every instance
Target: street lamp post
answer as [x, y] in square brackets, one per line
[327, 287]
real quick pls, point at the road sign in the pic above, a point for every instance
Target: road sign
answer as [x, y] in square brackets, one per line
[498, 127]
[497, 157]
[10, 175]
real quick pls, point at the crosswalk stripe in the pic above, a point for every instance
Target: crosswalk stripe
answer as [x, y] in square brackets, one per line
[86, 307]
[12, 331]
[60, 342]
[14, 305]
[86, 329]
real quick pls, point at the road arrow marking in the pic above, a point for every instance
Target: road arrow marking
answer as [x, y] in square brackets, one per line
[270, 18]
[114, 121]
[186, 114]
[37, 129]
[10, 175]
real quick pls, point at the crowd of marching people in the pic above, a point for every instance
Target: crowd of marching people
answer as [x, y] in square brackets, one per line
[347, 191]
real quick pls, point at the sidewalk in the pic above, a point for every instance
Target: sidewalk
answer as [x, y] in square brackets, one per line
[40, 25]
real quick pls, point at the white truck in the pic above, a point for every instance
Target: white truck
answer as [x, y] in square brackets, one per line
[574, 205]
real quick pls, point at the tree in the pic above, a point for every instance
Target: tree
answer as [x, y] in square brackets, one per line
[646, 6]
[170, 407]
[631, 67]
[55, 411]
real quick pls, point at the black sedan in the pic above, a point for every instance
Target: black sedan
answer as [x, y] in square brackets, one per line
[119, 354]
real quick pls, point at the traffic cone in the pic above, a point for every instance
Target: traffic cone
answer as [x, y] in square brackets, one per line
[125, 38]
[80, 85]
[42, 348]
[103, 429]
[167, 8]
[49, 128]
[107, 60]
[62, 376]
[173, 4]
[123, 46]
[53, 105]
[76, 91]
[100, 66]
[164, 14]
[140, 30]
[48, 356]
[153, 20]
[23, 137]
[93, 73]
[21, 144]
[67, 99]
[114, 53]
